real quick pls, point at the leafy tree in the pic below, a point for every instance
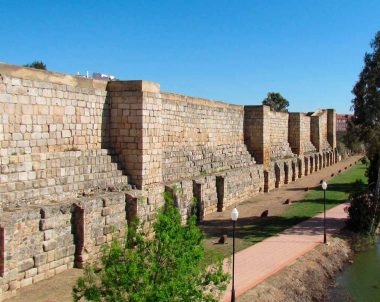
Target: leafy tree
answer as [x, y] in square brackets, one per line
[366, 104]
[168, 267]
[276, 102]
[37, 65]
[361, 212]
[365, 125]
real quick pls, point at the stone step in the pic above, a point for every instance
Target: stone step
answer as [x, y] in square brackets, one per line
[47, 181]
[33, 164]
[58, 172]
[59, 191]
[213, 158]
[59, 155]
[55, 175]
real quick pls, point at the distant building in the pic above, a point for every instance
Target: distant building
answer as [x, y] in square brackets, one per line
[342, 122]
[102, 76]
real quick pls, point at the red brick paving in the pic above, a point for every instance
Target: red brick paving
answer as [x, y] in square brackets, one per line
[258, 262]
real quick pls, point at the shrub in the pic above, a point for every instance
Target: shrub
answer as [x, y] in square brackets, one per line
[168, 267]
[36, 65]
[361, 213]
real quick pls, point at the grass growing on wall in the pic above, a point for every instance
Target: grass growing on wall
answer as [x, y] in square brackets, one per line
[337, 192]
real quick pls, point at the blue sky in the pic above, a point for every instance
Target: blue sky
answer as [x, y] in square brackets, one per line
[233, 51]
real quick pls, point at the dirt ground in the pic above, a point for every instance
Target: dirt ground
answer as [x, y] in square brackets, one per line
[58, 288]
[55, 289]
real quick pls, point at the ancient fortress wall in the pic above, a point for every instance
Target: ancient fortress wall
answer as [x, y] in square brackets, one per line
[201, 137]
[46, 117]
[46, 112]
[80, 158]
[279, 135]
[299, 133]
[307, 145]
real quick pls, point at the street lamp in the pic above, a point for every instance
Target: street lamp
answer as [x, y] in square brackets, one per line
[324, 187]
[234, 217]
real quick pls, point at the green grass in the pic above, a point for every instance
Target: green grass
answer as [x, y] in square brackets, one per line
[338, 190]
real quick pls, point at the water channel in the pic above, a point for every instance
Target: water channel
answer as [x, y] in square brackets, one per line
[359, 282]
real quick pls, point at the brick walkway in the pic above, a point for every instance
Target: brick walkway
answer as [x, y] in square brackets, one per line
[258, 262]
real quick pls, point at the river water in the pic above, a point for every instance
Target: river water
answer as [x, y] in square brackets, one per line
[359, 282]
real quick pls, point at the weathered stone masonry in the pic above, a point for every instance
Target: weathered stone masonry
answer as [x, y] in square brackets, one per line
[80, 158]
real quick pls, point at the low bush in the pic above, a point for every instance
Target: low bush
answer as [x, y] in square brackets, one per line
[170, 266]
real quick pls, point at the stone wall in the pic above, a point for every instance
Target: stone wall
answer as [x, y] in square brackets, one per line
[52, 129]
[279, 134]
[40, 177]
[201, 137]
[308, 146]
[39, 242]
[217, 191]
[283, 142]
[80, 158]
[154, 137]
[47, 112]
[257, 132]
[135, 129]
[299, 133]
[331, 128]
[319, 130]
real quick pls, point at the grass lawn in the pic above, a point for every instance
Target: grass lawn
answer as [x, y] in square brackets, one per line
[338, 190]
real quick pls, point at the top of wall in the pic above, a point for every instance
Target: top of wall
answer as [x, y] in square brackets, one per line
[199, 101]
[48, 76]
[278, 114]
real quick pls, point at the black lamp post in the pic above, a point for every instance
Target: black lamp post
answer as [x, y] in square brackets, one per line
[324, 187]
[234, 217]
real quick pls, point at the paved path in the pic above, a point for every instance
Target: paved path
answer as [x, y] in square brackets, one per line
[258, 262]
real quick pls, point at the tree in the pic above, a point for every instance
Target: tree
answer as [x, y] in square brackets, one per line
[37, 65]
[365, 125]
[276, 102]
[169, 267]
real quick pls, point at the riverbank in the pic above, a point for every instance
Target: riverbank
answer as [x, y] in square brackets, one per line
[359, 281]
[308, 278]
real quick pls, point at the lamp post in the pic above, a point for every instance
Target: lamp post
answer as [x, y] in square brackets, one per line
[324, 187]
[234, 217]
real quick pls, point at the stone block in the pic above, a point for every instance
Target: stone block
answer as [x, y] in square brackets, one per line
[108, 229]
[100, 240]
[49, 234]
[26, 282]
[66, 133]
[26, 265]
[47, 224]
[39, 277]
[31, 273]
[69, 110]
[106, 211]
[43, 268]
[50, 273]
[60, 269]
[49, 245]
[13, 285]
[40, 259]
[55, 264]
